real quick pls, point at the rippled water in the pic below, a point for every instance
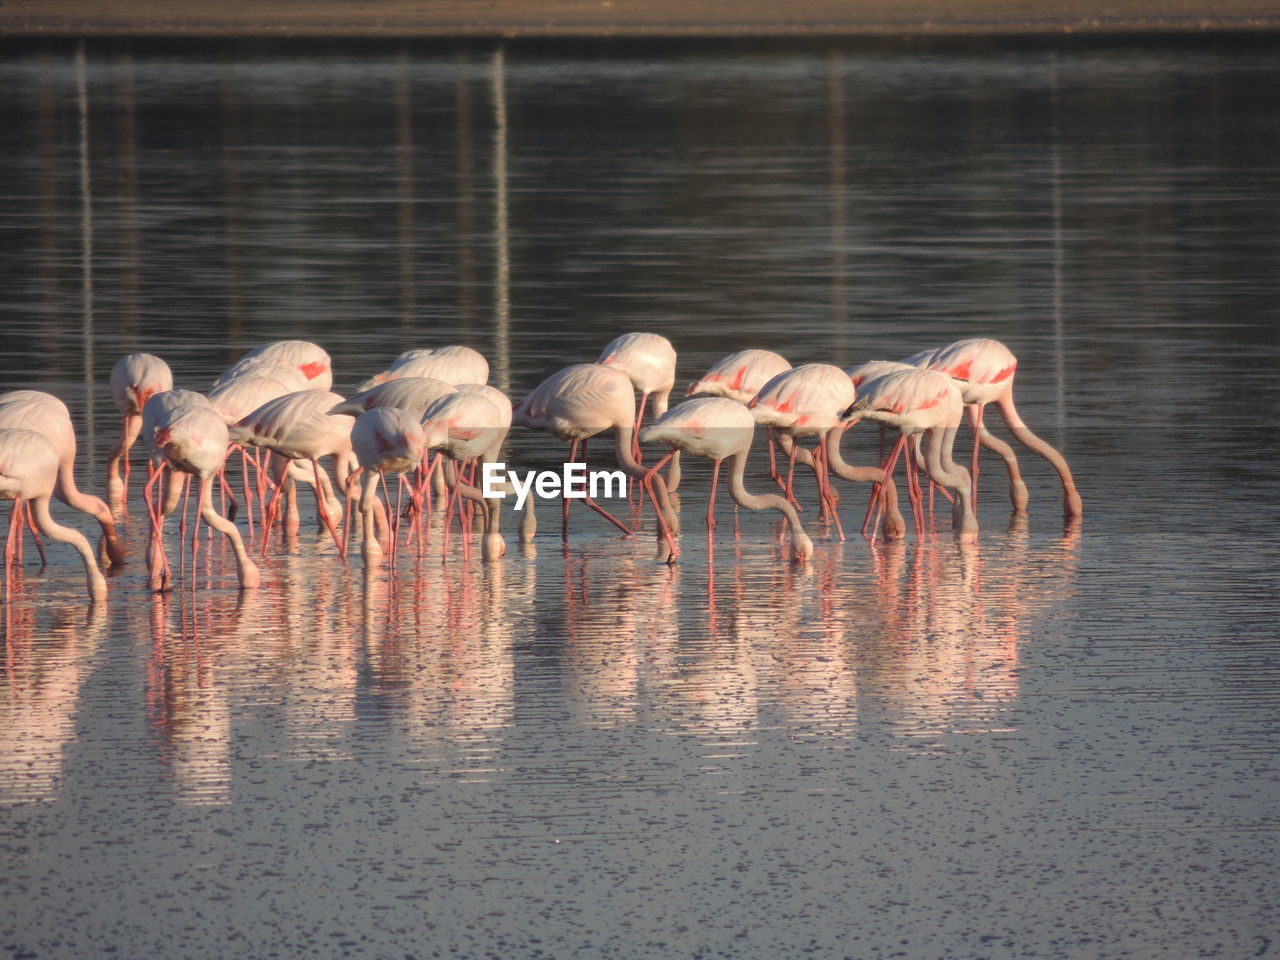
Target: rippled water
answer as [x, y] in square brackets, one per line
[1056, 743]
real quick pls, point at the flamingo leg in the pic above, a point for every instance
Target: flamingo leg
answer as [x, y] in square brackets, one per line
[673, 551]
[879, 494]
[393, 522]
[35, 537]
[975, 422]
[564, 501]
[157, 562]
[322, 507]
[14, 537]
[773, 459]
[789, 489]
[248, 490]
[711, 502]
[915, 494]
[826, 491]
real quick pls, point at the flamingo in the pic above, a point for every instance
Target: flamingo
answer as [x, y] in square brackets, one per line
[29, 470]
[411, 394]
[739, 376]
[716, 428]
[269, 368]
[808, 401]
[585, 399]
[193, 439]
[384, 438]
[298, 426]
[469, 427]
[920, 402]
[452, 364]
[47, 415]
[135, 379]
[236, 398]
[307, 358]
[649, 360]
[984, 369]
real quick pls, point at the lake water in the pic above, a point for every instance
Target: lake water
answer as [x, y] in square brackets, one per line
[1062, 742]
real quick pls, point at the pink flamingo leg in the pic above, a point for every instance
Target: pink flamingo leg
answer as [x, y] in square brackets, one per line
[673, 550]
[322, 507]
[880, 494]
[14, 537]
[157, 562]
[916, 495]
[829, 492]
[564, 501]
[976, 423]
[35, 537]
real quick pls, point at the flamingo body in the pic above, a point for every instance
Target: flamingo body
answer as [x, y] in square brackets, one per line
[411, 394]
[649, 360]
[578, 402]
[805, 400]
[29, 465]
[47, 415]
[297, 425]
[719, 428]
[307, 358]
[453, 364]
[739, 376]
[238, 397]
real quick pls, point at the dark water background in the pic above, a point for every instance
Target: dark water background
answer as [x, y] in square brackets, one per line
[1053, 744]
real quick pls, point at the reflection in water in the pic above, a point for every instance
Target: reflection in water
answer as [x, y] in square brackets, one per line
[45, 667]
[917, 746]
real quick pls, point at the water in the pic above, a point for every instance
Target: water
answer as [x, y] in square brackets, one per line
[1057, 743]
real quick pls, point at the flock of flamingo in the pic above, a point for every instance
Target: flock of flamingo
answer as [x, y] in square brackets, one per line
[275, 409]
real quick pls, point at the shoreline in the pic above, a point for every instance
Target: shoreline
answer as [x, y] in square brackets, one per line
[510, 19]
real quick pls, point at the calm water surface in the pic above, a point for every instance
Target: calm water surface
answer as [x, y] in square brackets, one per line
[1058, 743]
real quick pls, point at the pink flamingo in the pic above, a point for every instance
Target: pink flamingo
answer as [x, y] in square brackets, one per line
[306, 358]
[808, 401]
[135, 379]
[739, 376]
[469, 427]
[718, 428]
[47, 415]
[412, 395]
[298, 426]
[29, 468]
[920, 402]
[453, 364]
[649, 360]
[577, 403]
[384, 439]
[235, 399]
[193, 439]
[985, 370]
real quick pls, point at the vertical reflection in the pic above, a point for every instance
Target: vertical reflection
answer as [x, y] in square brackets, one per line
[404, 177]
[231, 203]
[86, 238]
[466, 193]
[835, 121]
[127, 151]
[48, 188]
[502, 296]
[44, 670]
[187, 703]
[1055, 182]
